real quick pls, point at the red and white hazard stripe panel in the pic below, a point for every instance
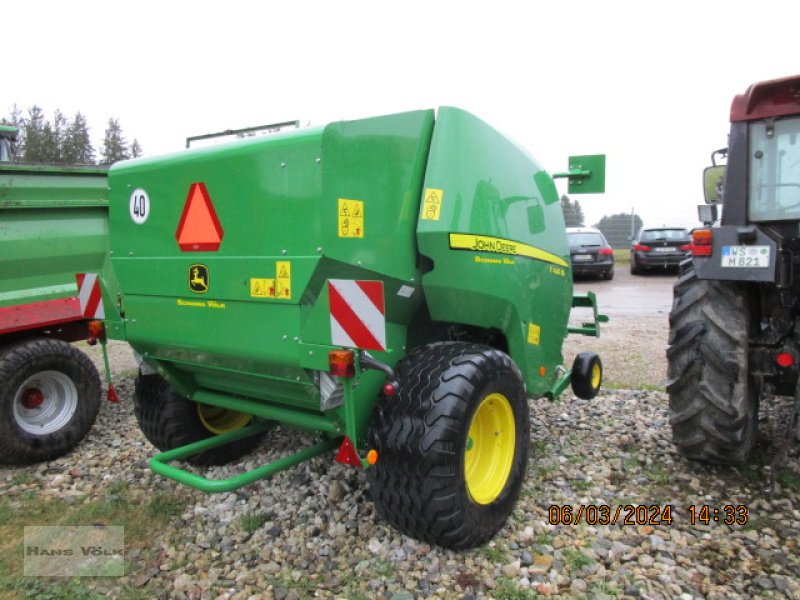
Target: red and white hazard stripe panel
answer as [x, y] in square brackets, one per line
[358, 315]
[89, 296]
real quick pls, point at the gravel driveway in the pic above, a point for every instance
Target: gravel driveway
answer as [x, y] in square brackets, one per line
[312, 531]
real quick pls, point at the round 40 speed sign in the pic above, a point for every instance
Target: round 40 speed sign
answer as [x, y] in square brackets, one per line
[139, 206]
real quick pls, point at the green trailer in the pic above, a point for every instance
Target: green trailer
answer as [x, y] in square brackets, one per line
[53, 226]
[397, 285]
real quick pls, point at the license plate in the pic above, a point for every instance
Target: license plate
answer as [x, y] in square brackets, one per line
[745, 257]
[582, 257]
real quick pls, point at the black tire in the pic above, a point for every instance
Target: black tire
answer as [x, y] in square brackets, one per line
[712, 401]
[635, 269]
[587, 375]
[608, 275]
[49, 400]
[420, 482]
[168, 420]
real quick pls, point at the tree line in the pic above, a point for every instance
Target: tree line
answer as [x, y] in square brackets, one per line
[63, 141]
[618, 229]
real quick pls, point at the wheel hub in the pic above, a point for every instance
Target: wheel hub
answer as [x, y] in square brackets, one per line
[32, 398]
[45, 402]
[489, 449]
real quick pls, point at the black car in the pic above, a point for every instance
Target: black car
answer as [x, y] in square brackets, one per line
[659, 248]
[590, 252]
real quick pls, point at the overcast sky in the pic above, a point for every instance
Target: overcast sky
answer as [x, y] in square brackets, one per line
[649, 84]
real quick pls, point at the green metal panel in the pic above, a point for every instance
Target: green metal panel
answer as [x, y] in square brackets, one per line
[53, 224]
[507, 266]
[278, 200]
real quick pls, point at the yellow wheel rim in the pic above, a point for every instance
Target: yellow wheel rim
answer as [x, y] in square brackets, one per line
[221, 420]
[597, 376]
[490, 449]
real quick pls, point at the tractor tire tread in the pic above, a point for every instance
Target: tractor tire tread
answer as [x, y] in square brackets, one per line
[19, 361]
[713, 404]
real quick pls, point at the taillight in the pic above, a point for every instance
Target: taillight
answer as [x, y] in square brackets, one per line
[702, 241]
[642, 248]
[686, 247]
[342, 363]
[97, 331]
[605, 252]
[784, 359]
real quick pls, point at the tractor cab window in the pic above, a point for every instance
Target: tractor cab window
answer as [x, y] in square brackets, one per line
[775, 170]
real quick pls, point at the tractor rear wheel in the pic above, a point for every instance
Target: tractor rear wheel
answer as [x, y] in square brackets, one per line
[712, 401]
[452, 444]
[168, 420]
[49, 399]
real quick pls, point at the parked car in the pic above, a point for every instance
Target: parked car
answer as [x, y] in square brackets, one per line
[659, 248]
[590, 252]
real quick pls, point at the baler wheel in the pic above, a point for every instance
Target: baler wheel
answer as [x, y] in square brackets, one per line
[49, 400]
[587, 375]
[452, 444]
[168, 420]
[713, 402]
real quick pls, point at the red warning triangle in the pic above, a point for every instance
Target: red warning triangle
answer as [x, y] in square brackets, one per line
[199, 229]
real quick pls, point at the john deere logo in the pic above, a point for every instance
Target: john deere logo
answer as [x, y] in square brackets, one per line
[198, 279]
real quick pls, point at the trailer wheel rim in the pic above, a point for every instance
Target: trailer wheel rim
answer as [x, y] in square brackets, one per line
[489, 449]
[221, 420]
[45, 402]
[597, 376]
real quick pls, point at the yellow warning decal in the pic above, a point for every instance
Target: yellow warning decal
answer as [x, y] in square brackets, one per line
[262, 288]
[432, 204]
[533, 334]
[351, 218]
[283, 280]
[485, 243]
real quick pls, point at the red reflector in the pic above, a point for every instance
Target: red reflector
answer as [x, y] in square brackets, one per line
[701, 250]
[342, 363]
[112, 393]
[641, 248]
[784, 359]
[347, 454]
[605, 251]
[389, 390]
[199, 229]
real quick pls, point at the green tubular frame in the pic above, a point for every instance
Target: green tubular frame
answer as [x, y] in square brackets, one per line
[588, 300]
[159, 463]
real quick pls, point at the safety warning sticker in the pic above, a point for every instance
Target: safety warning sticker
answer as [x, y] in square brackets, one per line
[262, 288]
[534, 331]
[351, 218]
[279, 287]
[432, 204]
[283, 280]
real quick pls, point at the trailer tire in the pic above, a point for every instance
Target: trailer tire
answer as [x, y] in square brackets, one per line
[168, 421]
[587, 375]
[443, 474]
[49, 400]
[713, 403]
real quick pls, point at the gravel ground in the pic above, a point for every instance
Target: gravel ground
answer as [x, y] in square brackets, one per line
[312, 531]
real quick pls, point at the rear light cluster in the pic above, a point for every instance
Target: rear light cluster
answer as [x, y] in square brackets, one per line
[701, 245]
[605, 252]
[342, 363]
[641, 248]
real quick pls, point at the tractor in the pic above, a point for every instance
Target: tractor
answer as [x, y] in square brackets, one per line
[735, 321]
